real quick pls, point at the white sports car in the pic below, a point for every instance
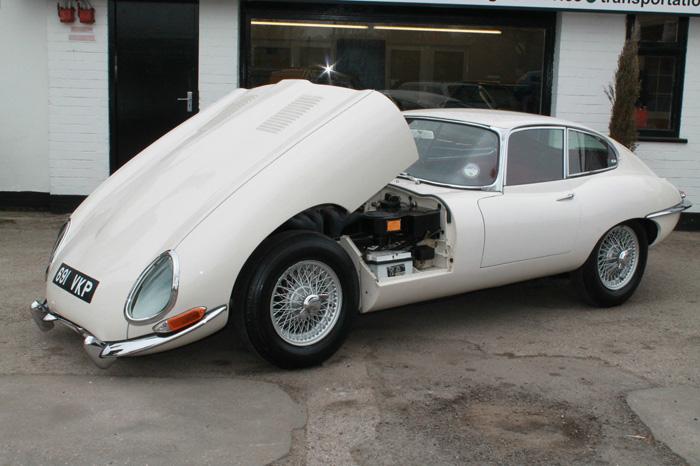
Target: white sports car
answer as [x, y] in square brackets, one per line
[287, 209]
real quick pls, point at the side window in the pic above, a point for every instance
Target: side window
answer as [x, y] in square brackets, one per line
[432, 88]
[535, 156]
[589, 153]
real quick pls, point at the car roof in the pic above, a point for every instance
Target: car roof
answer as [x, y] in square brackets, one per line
[500, 119]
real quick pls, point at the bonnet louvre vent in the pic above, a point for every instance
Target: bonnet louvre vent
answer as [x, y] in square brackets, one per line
[228, 111]
[289, 114]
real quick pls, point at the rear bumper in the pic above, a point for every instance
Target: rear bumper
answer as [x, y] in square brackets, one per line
[680, 207]
[102, 353]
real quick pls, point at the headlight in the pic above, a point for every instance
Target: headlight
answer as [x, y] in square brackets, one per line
[57, 246]
[155, 291]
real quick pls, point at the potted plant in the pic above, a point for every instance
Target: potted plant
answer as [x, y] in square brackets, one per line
[623, 95]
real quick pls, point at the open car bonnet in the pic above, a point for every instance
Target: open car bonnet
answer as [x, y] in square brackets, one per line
[155, 200]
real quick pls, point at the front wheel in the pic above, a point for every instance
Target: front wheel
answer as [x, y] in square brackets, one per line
[615, 267]
[301, 299]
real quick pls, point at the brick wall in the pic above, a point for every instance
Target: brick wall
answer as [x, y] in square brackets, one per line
[680, 163]
[24, 144]
[585, 59]
[587, 48]
[78, 82]
[218, 49]
[78, 102]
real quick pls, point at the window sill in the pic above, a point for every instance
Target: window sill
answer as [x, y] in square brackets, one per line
[662, 139]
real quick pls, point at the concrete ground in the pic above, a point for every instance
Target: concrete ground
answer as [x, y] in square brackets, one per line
[523, 374]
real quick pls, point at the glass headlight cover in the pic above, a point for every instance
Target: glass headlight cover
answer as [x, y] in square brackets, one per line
[57, 245]
[155, 291]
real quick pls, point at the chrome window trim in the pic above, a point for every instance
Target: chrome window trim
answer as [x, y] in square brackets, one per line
[489, 187]
[593, 172]
[450, 120]
[175, 286]
[565, 152]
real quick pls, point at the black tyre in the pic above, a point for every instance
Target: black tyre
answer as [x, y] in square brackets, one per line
[615, 268]
[298, 299]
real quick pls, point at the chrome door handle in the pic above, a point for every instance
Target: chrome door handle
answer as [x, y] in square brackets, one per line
[566, 198]
[188, 99]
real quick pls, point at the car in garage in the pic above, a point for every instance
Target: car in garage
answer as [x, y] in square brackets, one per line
[414, 100]
[286, 210]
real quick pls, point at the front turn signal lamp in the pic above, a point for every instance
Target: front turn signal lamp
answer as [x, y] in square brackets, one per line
[155, 291]
[180, 321]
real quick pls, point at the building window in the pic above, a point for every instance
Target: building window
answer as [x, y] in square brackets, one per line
[662, 43]
[417, 60]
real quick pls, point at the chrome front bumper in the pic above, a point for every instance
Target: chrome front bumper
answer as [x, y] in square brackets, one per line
[102, 353]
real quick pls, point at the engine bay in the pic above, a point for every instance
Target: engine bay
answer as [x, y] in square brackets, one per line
[399, 233]
[394, 233]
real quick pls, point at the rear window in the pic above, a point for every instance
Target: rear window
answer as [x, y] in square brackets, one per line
[455, 154]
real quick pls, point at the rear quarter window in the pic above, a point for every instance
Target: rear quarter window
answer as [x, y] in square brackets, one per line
[589, 153]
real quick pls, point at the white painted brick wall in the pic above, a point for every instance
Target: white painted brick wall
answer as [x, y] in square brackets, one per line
[587, 47]
[24, 121]
[585, 59]
[218, 49]
[78, 102]
[680, 163]
[79, 89]
[586, 53]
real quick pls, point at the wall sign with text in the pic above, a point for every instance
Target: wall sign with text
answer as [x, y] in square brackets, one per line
[672, 7]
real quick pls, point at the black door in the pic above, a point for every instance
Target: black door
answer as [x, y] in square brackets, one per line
[153, 73]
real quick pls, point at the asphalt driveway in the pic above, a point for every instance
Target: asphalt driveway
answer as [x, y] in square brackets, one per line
[514, 375]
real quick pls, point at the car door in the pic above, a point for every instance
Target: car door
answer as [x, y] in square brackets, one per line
[538, 214]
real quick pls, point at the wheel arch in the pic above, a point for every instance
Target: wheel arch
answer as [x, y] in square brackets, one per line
[328, 219]
[325, 219]
[248, 289]
[650, 228]
[587, 281]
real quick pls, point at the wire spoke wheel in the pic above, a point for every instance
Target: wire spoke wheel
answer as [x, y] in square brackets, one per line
[618, 257]
[298, 299]
[306, 303]
[615, 267]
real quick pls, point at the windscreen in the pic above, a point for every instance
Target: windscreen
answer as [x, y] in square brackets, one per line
[454, 153]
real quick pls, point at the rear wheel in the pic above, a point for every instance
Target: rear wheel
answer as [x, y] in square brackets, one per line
[300, 299]
[615, 267]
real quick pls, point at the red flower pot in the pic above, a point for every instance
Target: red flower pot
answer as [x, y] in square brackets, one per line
[642, 118]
